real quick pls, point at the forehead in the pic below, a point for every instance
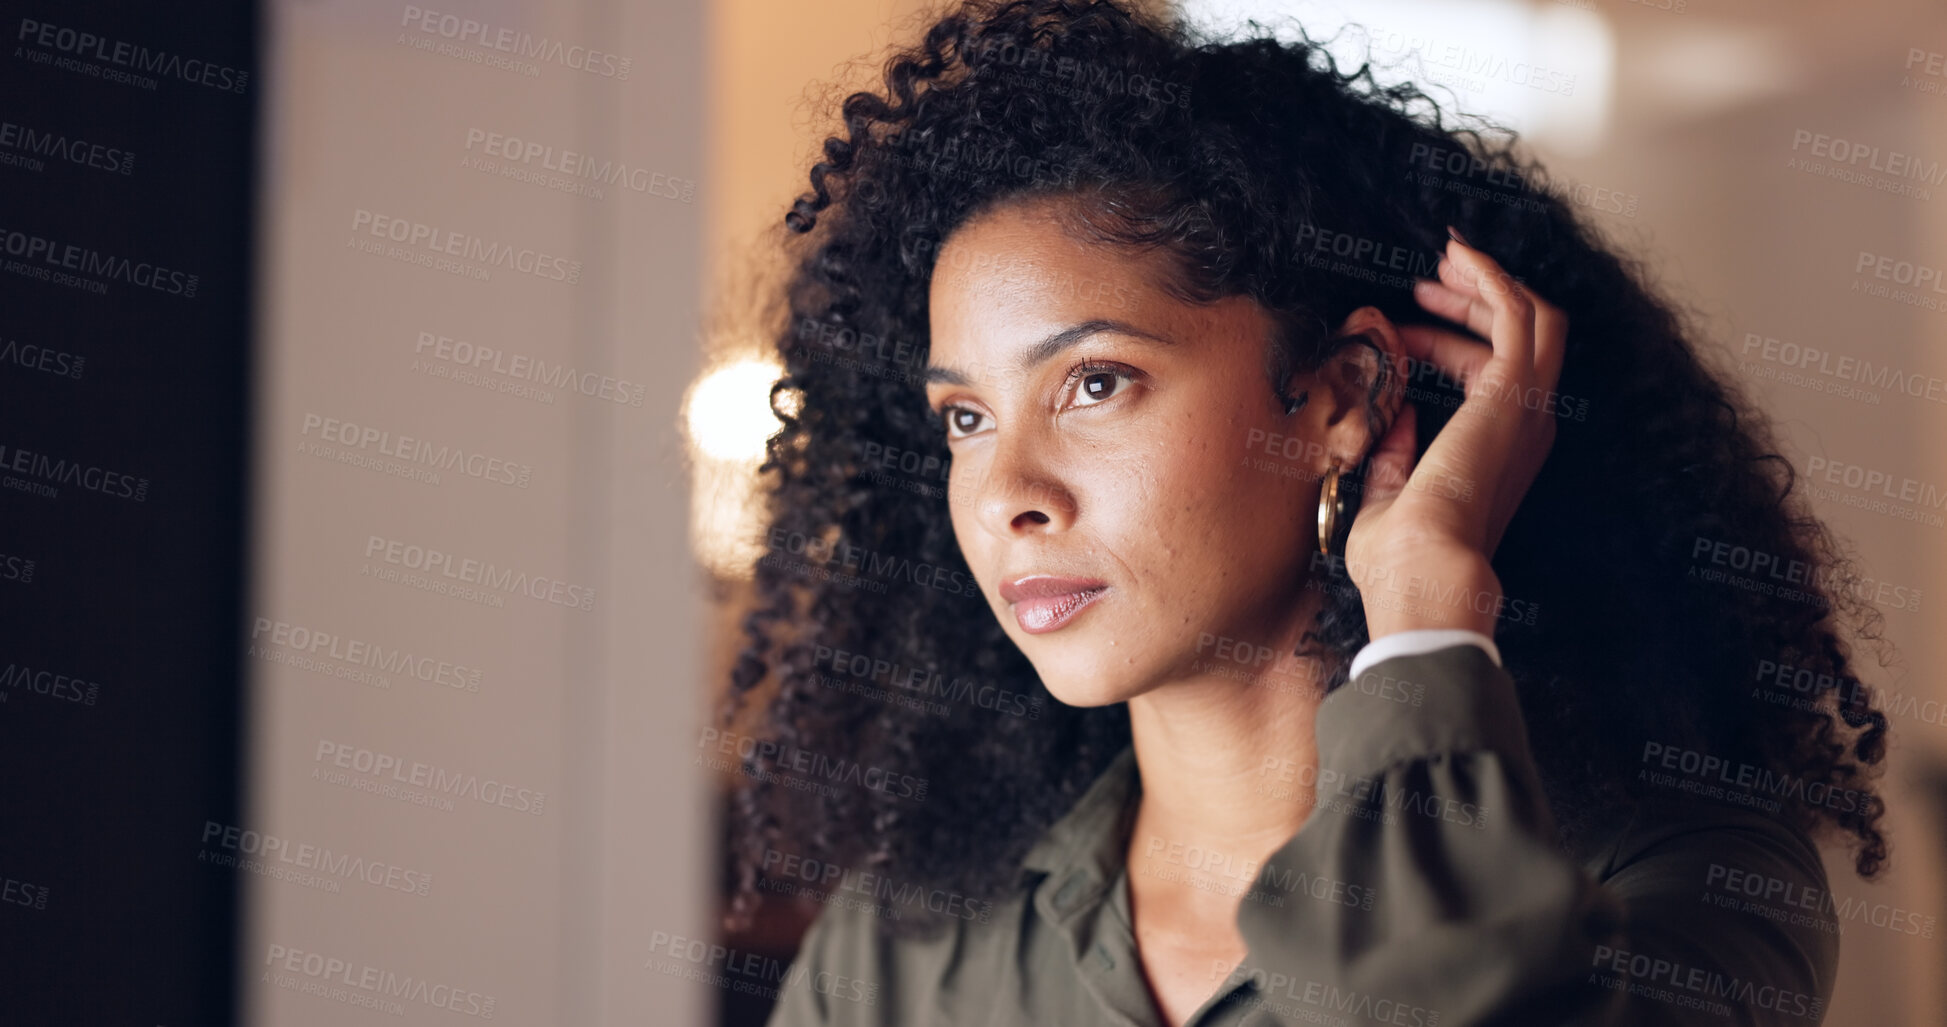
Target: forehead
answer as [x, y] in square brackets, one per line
[1019, 264]
[1016, 273]
[1015, 243]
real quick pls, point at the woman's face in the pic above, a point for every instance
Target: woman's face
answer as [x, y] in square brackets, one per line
[1126, 487]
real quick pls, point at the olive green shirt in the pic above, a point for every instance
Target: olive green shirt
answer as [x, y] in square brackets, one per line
[1424, 890]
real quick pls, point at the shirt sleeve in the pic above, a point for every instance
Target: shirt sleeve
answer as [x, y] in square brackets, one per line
[847, 973]
[1426, 888]
[1417, 641]
[798, 1003]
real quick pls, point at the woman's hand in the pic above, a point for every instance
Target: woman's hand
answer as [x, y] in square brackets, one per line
[1421, 543]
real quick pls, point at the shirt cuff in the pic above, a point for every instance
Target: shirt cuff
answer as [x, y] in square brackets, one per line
[1449, 702]
[1416, 642]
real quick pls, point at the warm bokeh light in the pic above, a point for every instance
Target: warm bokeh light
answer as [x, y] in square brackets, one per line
[728, 418]
[729, 410]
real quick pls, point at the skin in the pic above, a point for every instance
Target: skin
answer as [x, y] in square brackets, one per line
[1128, 457]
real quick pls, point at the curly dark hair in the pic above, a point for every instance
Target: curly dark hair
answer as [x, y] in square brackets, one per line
[1248, 160]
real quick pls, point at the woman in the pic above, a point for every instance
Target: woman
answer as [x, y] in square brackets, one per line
[1205, 587]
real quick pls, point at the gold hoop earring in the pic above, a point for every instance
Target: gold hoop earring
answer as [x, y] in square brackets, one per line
[1334, 517]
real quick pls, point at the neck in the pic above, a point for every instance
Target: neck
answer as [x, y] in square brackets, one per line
[1227, 758]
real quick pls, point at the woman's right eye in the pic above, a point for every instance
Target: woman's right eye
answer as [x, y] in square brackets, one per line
[962, 421]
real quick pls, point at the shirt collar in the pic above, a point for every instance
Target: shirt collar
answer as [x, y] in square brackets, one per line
[1093, 836]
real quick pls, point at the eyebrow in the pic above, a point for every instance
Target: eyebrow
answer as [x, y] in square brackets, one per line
[1047, 348]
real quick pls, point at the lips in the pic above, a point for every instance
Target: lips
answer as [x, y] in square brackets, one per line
[1044, 603]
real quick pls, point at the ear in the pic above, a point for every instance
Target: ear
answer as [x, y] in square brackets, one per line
[1362, 374]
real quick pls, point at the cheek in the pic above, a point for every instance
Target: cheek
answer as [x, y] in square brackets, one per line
[1200, 491]
[975, 543]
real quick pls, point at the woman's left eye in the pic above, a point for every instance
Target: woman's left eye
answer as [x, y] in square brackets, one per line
[1097, 382]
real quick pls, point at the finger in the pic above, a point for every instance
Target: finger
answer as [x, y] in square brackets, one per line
[1451, 303]
[1459, 277]
[1391, 462]
[1456, 295]
[1513, 329]
[1460, 356]
[1551, 341]
[1551, 323]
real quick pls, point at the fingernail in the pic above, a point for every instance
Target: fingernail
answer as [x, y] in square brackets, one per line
[1454, 234]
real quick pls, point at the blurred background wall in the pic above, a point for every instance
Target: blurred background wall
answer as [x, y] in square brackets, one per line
[436, 750]
[473, 626]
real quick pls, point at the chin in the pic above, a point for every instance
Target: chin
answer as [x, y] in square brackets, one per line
[1084, 676]
[1088, 693]
[1081, 664]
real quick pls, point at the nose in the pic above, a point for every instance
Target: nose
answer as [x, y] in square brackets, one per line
[1015, 494]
